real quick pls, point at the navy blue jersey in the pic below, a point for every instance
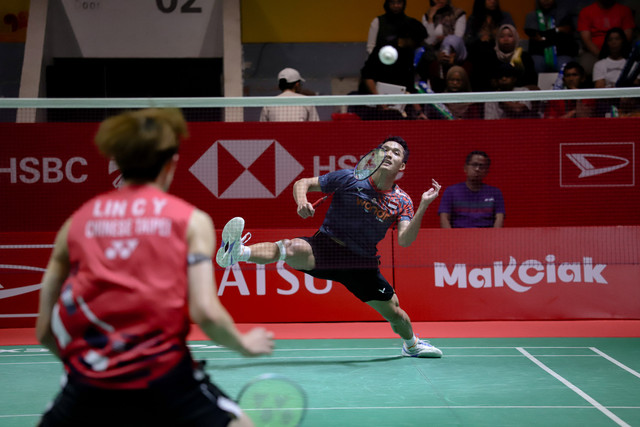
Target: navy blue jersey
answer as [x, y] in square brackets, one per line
[359, 214]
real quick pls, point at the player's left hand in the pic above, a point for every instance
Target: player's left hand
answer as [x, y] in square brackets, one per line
[431, 194]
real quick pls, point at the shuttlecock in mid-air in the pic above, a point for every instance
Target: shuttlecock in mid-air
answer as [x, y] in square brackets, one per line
[388, 55]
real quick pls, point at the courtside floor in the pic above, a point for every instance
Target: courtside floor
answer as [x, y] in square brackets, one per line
[365, 382]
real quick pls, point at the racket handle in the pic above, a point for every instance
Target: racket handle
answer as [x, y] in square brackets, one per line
[319, 201]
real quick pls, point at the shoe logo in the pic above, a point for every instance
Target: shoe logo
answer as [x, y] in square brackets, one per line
[121, 249]
[609, 164]
[587, 168]
[246, 169]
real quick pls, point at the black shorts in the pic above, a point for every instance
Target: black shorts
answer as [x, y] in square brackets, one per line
[360, 275]
[184, 397]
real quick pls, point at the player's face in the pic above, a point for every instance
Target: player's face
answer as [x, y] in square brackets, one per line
[394, 157]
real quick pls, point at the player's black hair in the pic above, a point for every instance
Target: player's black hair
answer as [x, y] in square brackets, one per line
[402, 142]
[478, 153]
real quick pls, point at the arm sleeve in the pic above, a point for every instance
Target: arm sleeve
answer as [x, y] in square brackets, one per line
[373, 35]
[499, 202]
[461, 26]
[599, 70]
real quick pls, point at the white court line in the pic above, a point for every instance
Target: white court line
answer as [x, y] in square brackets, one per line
[347, 408]
[364, 357]
[196, 349]
[615, 362]
[575, 389]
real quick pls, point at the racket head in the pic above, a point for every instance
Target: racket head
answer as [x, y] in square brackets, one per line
[369, 164]
[272, 400]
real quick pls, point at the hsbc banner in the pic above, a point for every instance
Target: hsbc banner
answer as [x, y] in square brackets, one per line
[551, 172]
[464, 274]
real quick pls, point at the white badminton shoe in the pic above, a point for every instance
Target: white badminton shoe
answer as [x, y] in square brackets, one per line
[232, 241]
[421, 348]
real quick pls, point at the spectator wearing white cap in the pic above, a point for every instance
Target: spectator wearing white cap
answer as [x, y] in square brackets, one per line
[289, 82]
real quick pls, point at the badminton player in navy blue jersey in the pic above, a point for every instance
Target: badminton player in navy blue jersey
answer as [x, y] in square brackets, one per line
[345, 248]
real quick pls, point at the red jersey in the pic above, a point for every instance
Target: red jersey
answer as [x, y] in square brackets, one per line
[557, 108]
[598, 21]
[122, 317]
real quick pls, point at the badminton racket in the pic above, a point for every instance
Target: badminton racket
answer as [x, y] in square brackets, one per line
[366, 167]
[272, 400]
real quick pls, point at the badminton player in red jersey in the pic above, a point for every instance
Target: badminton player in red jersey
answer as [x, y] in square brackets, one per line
[130, 270]
[345, 248]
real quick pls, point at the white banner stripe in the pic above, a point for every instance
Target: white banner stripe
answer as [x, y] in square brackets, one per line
[48, 246]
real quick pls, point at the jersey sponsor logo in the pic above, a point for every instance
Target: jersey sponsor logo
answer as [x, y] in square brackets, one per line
[372, 207]
[520, 277]
[246, 169]
[597, 164]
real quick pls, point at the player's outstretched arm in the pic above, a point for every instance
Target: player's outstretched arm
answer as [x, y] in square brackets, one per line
[300, 189]
[205, 307]
[408, 230]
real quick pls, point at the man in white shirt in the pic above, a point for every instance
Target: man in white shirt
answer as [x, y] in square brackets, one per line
[289, 82]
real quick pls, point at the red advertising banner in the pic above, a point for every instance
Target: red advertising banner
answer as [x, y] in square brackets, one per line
[551, 172]
[463, 274]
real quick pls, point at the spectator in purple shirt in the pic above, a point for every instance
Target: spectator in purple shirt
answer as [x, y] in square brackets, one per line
[473, 204]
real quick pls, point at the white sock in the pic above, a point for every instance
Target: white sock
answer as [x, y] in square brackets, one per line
[245, 253]
[410, 343]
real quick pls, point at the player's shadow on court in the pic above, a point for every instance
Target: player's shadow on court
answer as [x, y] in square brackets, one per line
[317, 362]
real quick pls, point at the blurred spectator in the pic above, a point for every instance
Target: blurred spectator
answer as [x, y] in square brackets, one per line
[506, 51]
[442, 20]
[445, 46]
[629, 107]
[573, 77]
[551, 37]
[385, 29]
[593, 23]
[630, 75]
[290, 83]
[452, 51]
[506, 76]
[613, 57]
[401, 73]
[483, 24]
[473, 204]
[458, 81]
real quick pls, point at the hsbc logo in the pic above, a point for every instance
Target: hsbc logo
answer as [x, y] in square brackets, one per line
[604, 164]
[246, 169]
